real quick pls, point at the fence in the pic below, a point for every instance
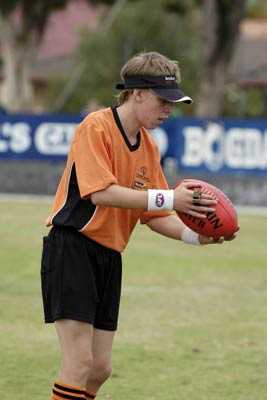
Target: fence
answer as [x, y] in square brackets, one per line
[231, 153]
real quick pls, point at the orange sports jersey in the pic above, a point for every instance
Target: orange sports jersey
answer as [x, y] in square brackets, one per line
[101, 155]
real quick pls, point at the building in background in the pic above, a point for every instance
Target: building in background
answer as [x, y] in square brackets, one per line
[56, 55]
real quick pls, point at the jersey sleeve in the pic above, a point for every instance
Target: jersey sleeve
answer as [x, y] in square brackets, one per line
[92, 157]
[159, 182]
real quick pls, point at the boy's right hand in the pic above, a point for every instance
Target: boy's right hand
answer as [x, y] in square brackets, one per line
[193, 202]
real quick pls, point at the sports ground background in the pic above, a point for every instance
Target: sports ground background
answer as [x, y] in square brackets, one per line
[192, 321]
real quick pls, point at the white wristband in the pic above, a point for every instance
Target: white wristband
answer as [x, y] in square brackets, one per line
[190, 237]
[160, 200]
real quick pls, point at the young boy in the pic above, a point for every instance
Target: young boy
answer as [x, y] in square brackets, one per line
[112, 179]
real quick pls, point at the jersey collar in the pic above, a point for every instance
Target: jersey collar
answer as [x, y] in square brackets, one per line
[131, 147]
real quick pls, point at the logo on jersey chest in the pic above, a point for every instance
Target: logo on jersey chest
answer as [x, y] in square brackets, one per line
[141, 180]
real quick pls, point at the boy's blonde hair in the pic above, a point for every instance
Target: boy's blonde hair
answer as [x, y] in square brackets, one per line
[151, 63]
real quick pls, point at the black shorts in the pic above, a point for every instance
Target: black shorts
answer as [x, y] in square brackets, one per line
[81, 279]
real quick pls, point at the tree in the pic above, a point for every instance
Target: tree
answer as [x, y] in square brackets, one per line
[22, 25]
[139, 26]
[221, 27]
[257, 8]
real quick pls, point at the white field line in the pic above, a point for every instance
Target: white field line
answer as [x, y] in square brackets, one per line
[36, 198]
[250, 210]
[25, 198]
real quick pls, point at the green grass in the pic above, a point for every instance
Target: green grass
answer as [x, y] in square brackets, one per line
[193, 321]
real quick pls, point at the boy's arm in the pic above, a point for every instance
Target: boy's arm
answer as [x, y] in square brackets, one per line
[122, 197]
[172, 227]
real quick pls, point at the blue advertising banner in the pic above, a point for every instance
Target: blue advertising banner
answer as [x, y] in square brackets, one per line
[221, 146]
[36, 137]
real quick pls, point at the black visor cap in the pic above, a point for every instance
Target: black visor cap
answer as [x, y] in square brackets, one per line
[164, 86]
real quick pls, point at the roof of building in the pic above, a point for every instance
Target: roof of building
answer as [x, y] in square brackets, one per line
[62, 37]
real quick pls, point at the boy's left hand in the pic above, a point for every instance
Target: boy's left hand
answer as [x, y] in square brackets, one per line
[209, 240]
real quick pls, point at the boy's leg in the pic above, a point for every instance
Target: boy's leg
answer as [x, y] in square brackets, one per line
[101, 351]
[75, 340]
[86, 359]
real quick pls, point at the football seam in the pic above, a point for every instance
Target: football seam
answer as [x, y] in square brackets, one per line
[224, 196]
[225, 209]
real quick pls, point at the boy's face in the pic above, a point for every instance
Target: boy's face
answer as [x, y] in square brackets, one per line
[151, 110]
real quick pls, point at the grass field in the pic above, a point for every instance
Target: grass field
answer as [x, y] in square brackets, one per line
[193, 322]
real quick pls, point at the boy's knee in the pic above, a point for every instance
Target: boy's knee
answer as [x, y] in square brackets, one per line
[101, 371]
[84, 363]
[79, 368]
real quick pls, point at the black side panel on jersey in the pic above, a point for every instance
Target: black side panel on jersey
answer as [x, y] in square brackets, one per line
[76, 212]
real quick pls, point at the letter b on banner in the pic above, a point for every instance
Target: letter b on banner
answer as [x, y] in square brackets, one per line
[204, 147]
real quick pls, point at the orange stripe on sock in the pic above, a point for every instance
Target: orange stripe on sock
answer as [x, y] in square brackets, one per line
[73, 395]
[62, 390]
[66, 385]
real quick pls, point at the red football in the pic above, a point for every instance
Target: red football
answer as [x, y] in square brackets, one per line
[222, 222]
